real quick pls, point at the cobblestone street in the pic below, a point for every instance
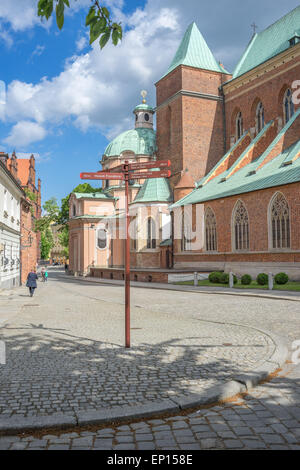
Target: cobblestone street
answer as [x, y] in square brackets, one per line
[65, 354]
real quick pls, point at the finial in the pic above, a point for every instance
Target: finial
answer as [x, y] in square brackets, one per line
[144, 94]
[254, 26]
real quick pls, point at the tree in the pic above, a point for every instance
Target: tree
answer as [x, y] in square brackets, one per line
[47, 243]
[51, 215]
[98, 20]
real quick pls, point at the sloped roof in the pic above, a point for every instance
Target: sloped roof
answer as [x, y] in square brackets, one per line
[194, 52]
[155, 190]
[186, 181]
[270, 42]
[282, 169]
[99, 195]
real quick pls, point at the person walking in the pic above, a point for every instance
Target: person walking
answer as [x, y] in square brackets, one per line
[46, 275]
[43, 274]
[31, 281]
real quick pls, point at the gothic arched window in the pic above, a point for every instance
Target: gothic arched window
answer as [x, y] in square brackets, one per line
[260, 117]
[239, 126]
[74, 210]
[241, 227]
[151, 233]
[186, 235]
[102, 239]
[280, 222]
[210, 230]
[288, 106]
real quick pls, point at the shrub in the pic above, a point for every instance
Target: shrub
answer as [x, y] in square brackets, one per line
[262, 279]
[246, 279]
[224, 279]
[281, 278]
[215, 277]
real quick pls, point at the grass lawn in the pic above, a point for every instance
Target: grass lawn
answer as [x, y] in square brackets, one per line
[291, 285]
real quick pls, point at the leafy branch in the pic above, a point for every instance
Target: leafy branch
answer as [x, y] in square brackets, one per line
[98, 19]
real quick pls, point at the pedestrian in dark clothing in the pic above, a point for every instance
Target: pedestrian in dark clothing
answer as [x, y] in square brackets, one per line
[31, 281]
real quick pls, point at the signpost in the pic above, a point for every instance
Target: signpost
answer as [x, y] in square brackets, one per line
[127, 172]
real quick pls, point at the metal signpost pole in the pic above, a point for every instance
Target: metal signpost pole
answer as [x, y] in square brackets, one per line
[126, 172]
[127, 260]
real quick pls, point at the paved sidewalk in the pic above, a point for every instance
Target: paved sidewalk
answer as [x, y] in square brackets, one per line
[262, 293]
[266, 418]
[66, 356]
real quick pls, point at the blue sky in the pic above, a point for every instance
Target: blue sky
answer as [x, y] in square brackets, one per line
[66, 100]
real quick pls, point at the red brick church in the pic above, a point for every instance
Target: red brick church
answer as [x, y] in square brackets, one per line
[233, 201]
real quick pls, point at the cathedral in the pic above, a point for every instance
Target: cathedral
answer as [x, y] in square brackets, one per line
[232, 202]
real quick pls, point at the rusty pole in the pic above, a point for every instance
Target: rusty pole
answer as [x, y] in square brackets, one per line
[127, 260]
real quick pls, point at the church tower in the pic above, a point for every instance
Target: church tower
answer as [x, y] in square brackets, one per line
[190, 113]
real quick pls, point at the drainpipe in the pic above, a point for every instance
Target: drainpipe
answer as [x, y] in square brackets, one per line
[224, 117]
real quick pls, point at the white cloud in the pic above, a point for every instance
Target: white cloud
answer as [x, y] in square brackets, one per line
[82, 43]
[99, 89]
[24, 133]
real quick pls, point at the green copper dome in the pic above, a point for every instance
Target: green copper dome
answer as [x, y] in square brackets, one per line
[144, 107]
[140, 141]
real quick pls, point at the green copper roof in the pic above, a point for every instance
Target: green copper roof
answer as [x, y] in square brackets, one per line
[283, 169]
[155, 190]
[141, 141]
[144, 107]
[270, 42]
[93, 196]
[194, 51]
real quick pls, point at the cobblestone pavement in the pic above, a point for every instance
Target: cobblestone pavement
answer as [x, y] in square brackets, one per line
[65, 351]
[59, 340]
[266, 418]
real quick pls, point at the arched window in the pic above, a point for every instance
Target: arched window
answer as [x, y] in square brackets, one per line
[151, 233]
[74, 210]
[101, 239]
[210, 230]
[260, 117]
[280, 222]
[239, 126]
[186, 236]
[288, 106]
[134, 234]
[241, 227]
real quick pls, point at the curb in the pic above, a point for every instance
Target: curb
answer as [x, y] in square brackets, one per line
[238, 384]
[172, 288]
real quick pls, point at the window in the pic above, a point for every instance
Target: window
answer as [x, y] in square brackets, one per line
[280, 222]
[185, 234]
[288, 106]
[239, 126]
[210, 230]
[151, 233]
[260, 117]
[74, 210]
[134, 234]
[102, 239]
[241, 227]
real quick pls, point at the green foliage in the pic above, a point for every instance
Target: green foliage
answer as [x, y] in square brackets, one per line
[215, 277]
[52, 213]
[281, 278]
[224, 278]
[246, 279]
[47, 243]
[64, 239]
[98, 20]
[262, 279]
[30, 194]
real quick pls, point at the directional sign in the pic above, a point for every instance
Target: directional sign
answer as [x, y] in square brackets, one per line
[149, 165]
[102, 175]
[150, 174]
[142, 166]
